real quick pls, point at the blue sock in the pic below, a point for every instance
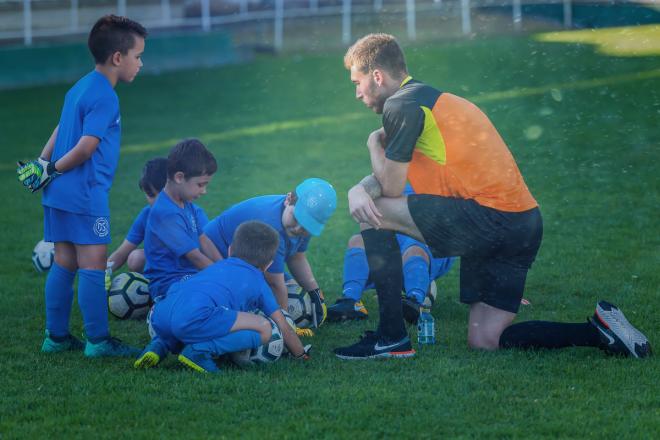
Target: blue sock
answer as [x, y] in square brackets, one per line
[416, 278]
[93, 303]
[230, 343]
[59, 297]
[356, 273]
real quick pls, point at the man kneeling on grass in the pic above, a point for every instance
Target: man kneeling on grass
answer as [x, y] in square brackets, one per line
[207, 315]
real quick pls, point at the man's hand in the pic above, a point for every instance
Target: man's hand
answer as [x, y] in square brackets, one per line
[36, 174]
[320, 310]
[362, 207]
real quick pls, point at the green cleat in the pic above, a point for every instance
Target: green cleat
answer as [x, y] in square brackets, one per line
[111, 347]
[152, 354]
[67, 343]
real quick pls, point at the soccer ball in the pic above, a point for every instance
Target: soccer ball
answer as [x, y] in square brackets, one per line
[129, 296]
[264, 354]
[43, 255]
[299, 305]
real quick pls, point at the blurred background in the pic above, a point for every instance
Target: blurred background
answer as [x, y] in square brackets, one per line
[203, 33]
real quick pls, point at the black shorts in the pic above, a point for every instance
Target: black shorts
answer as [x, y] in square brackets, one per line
[497, 248]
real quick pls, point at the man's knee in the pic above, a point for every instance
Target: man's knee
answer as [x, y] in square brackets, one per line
[483, 340]
[356, 241]
[135, 261]
[415, 251]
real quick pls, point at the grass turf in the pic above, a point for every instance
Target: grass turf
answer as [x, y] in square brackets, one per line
[583, 128]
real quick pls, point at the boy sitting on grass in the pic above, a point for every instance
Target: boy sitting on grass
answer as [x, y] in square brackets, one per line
[208, 314]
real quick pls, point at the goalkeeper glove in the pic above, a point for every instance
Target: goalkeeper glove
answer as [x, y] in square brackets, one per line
[319, 309]
[36, 174]
[299, 331]
[108, 275]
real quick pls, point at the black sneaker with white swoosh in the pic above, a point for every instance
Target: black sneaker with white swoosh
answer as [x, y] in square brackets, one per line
[372, 346]
[617, 335]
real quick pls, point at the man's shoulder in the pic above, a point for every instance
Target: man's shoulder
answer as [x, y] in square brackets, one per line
[411, 96]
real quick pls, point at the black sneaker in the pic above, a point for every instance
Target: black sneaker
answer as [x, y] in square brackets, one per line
[617, 335]
[347, 309]
[410, 310]
[371, 346]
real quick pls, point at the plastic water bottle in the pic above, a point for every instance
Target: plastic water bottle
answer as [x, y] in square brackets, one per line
[425, 328]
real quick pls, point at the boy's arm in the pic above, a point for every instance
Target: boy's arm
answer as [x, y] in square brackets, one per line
[198, 259]
[47, 152]
[302, 271]
[291, 339]
[83, 150]
[209, 249]
[120, 256]
[276, 283]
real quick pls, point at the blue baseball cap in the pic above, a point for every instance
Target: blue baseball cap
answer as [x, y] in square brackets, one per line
[317, 201]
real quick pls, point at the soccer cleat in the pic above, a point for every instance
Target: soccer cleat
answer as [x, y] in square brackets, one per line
[371, 346]
[68, 343]
[200, 361]
[346, 309]
[410, 310]
[110, 347]
[152, 354]
[617, 335]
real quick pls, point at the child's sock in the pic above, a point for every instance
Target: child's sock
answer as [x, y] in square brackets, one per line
[384, 257]
[356, 273]
[59, 297]
[230, 343]
[544, 334]
[416, 278]
[93, 303]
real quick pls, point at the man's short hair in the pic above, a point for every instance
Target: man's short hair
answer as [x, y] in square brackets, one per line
[113, 34]
[376, 51]
[154, 176]
[192, 158]
[255, 242]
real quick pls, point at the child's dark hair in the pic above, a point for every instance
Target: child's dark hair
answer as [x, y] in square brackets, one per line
[255, 242]
[113, 34]
[154, 176]
[192, 158]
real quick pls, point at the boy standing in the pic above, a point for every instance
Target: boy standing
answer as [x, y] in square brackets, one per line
[76, 168]
[171, 239]
[209, 312]
[295, 216]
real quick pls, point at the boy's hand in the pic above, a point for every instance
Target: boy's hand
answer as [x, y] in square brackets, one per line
[320, 310]
[36, 174]
[305, 354]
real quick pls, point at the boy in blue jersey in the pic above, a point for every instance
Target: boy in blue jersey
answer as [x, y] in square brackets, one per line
[296, 216]
[76, 168]
[152, 182]
[419, 271]
[208, 314]
[171, 238]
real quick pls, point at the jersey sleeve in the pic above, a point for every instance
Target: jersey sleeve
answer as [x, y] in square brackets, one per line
[278, 260]
[403, 122]
[100, 116]
[171, 230]
[267, 299]
[136, 233]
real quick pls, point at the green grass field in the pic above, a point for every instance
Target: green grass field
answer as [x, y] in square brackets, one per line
[583, 127]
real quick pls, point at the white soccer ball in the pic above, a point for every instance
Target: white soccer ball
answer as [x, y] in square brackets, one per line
[264, 354]
[128, 297]
[299, 305]
[43, 255]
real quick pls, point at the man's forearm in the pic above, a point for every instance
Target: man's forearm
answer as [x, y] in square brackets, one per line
[372, 186]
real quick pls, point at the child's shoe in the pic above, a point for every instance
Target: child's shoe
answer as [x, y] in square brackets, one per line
[200, 361]
[152, 354]
[67, 343]
[111, 347]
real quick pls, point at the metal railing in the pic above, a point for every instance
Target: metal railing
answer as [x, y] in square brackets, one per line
[25, 20]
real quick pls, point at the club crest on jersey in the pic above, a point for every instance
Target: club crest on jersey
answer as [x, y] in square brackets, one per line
[101, 227]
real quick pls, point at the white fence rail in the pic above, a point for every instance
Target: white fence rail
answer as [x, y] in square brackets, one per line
[29, 19]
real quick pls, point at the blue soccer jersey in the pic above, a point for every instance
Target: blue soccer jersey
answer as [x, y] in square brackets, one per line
[91, 108]
[170, 234]
[267, 209]
[136, 233]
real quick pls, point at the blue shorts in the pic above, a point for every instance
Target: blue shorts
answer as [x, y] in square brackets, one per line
[437, 267]
[179, 319]
[75, 228]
